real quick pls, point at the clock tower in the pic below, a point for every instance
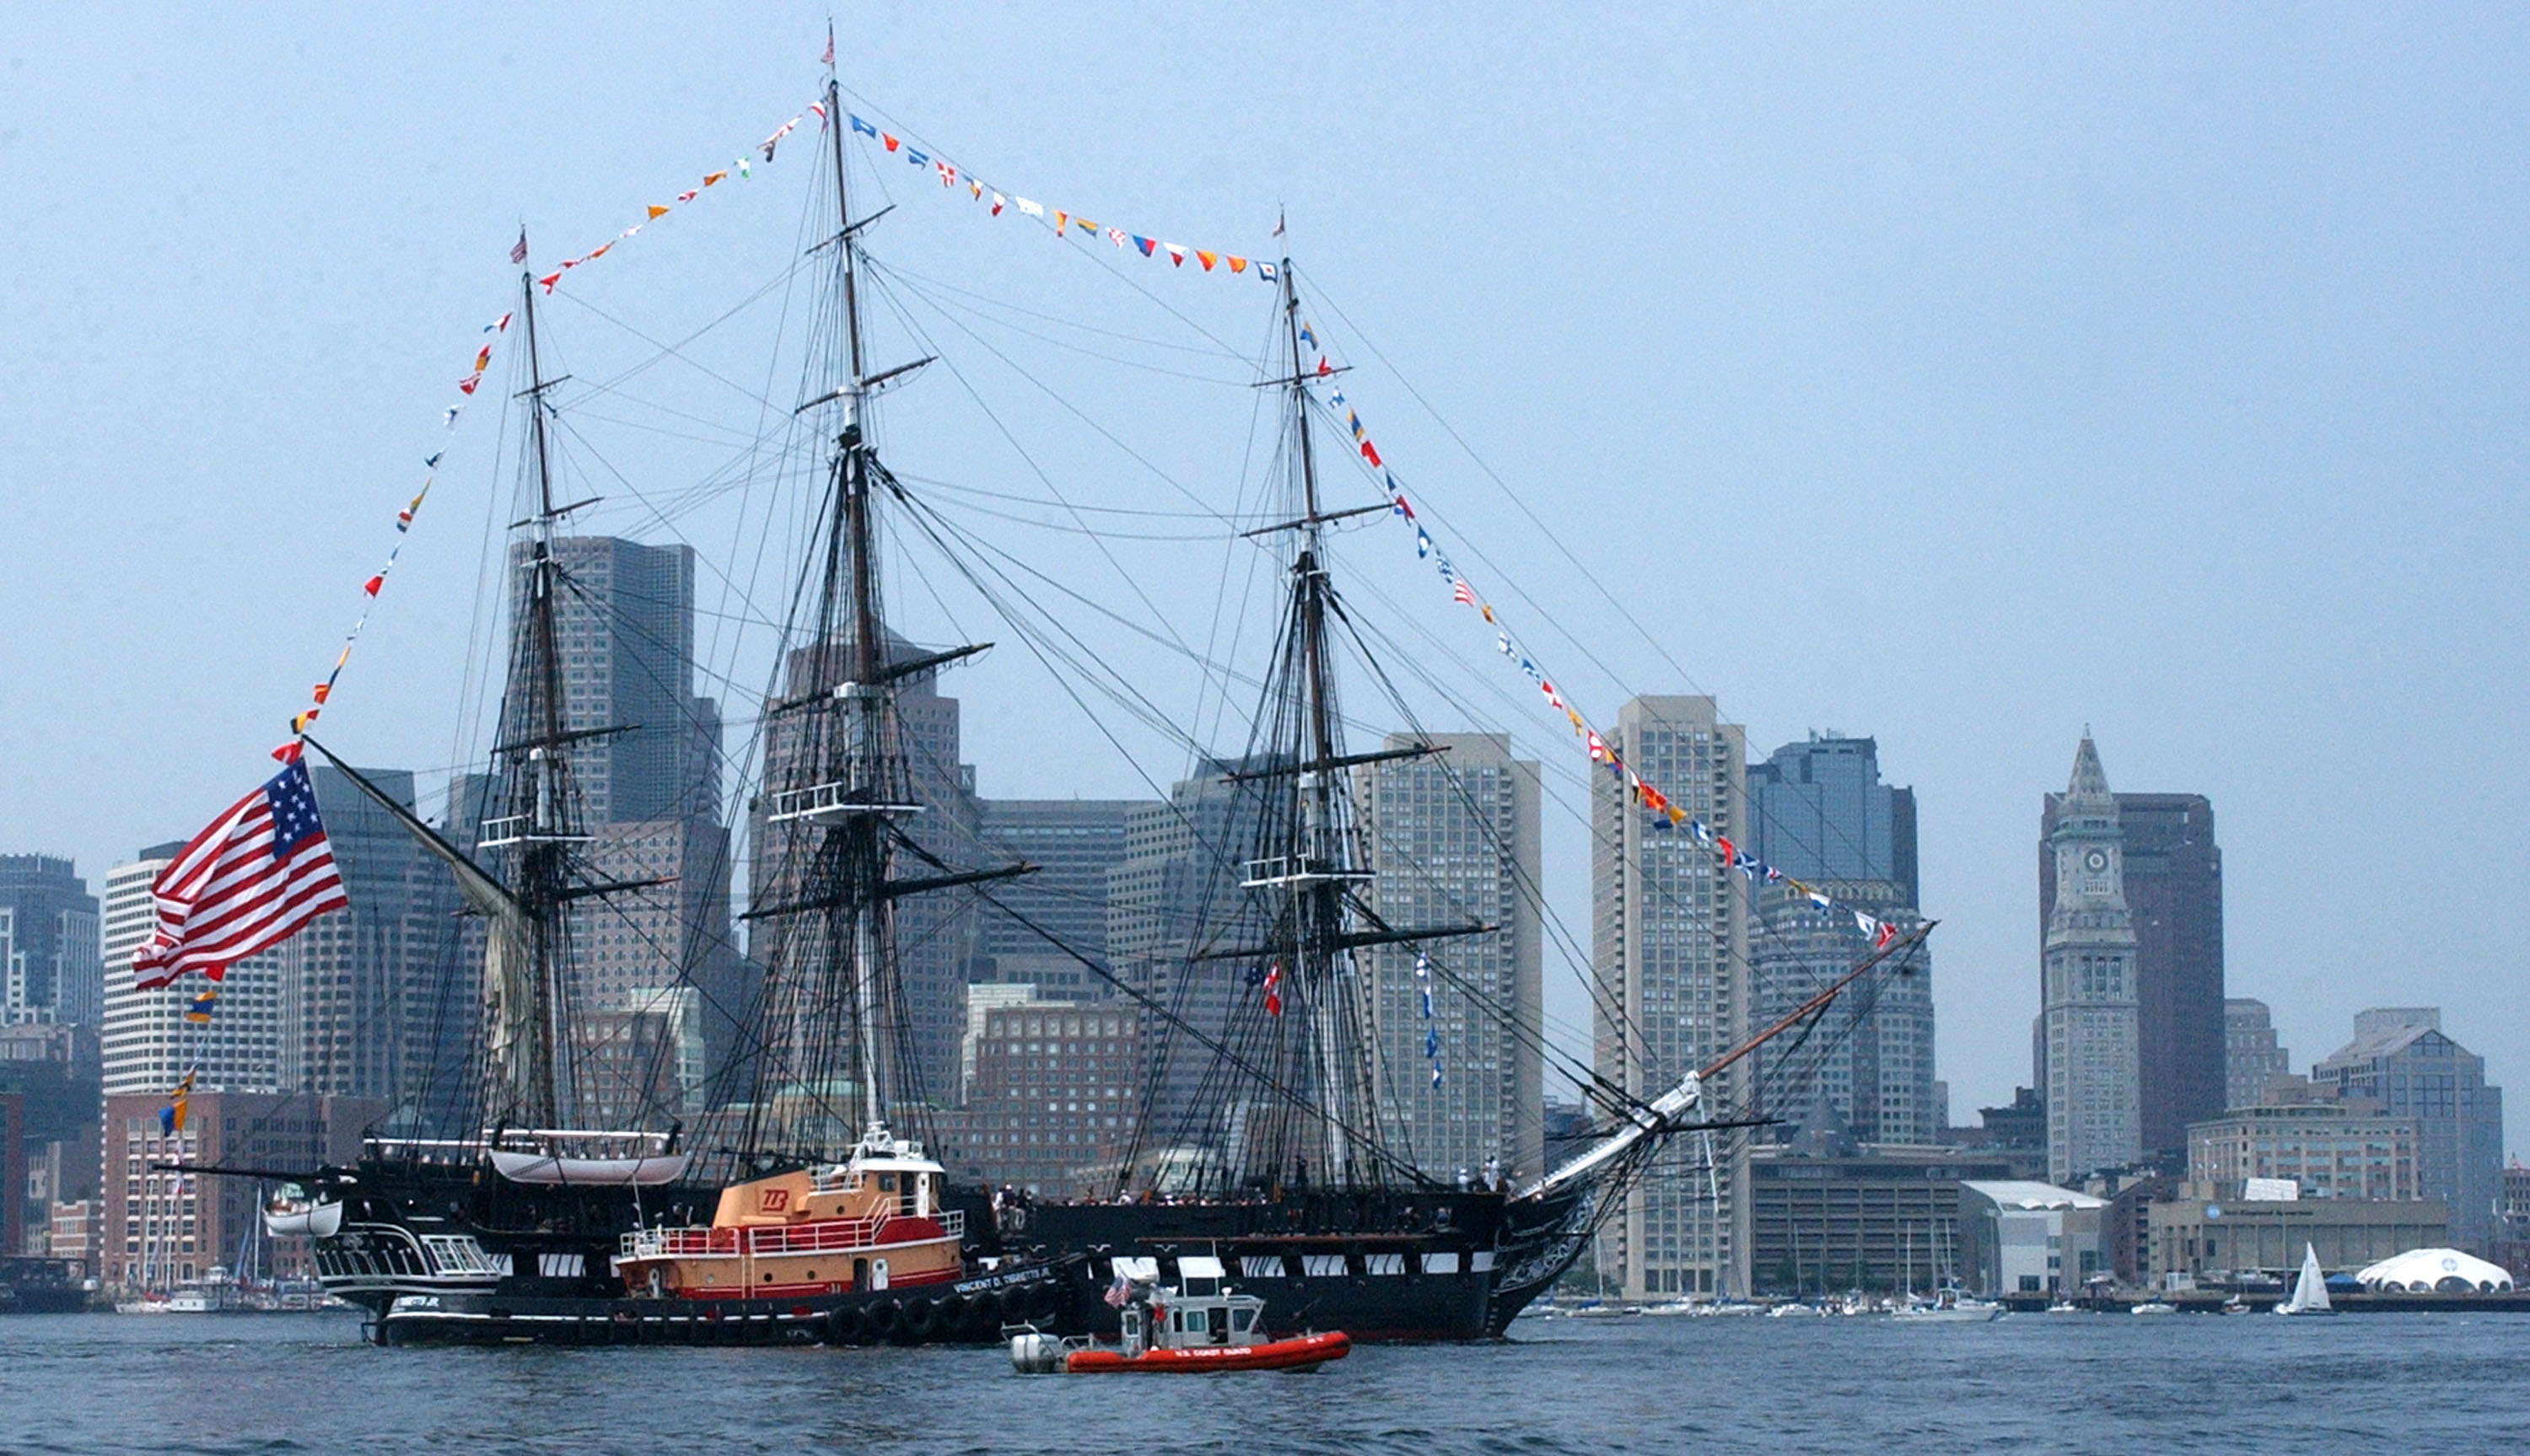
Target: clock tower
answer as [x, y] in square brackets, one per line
[2090, 1029]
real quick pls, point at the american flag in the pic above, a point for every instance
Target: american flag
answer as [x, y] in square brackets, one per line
[246, 884]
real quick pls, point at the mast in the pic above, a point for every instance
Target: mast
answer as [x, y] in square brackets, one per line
[846, 785]
[528, 1068]
[1321, 916]
[865, 706]
[1304, 864]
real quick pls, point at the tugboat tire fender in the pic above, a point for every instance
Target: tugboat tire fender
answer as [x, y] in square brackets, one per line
[880, 1318]
[922, 1320]
[1044, 1301]
[849, 1326]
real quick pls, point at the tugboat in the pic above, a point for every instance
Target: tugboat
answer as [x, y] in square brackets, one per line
[872, 1222]
[1178, 1332]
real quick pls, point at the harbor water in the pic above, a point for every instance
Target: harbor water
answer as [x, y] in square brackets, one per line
[2063, 1382]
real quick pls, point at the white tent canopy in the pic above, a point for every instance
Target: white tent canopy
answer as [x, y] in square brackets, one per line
[2434, 1271]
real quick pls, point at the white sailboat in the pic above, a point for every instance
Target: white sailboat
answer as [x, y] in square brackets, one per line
[2310, 1291]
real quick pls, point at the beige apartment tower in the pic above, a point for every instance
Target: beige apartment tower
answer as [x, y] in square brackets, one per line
[1670, 952]
[1454, 839]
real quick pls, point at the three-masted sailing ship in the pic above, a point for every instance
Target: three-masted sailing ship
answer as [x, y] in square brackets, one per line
[817, 1211]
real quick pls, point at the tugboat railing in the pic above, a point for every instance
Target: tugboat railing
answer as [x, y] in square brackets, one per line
[821, 1236]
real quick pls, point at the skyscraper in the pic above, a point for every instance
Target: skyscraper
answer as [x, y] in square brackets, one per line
[623, 628]
[2402, 1063]
[935, 934]
[648, 775]
[2173, 874]
[148, 1043]
[1453, 837]
[2088, 1021]
[1076, 844]
[2250, 1056]
[1819, 813]
[1053, 1103]
[48, 943]
[1670, 948]
[373, 1004]
[1871, 1060]
[1175, 893]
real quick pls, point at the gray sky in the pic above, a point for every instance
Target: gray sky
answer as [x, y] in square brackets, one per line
[1958, 378]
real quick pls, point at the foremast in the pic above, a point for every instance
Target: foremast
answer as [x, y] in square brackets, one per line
[528, 1065]
[1321, 1117]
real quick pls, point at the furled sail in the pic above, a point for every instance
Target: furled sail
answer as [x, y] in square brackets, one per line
[507, 998]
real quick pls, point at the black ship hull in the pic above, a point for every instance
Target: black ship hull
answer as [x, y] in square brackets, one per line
[1380, 1266]
[1049, 1296]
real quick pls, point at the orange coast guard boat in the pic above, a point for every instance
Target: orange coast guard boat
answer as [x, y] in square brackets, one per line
[1190, 1330]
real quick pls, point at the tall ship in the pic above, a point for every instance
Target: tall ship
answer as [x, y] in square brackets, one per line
[811, 1200]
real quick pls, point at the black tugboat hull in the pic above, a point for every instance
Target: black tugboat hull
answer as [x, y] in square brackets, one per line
[1052, 1297]
[1382, 1267]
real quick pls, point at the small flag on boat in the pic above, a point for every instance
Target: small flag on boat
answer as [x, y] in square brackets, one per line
[519, 252]
[200, 1014]
[1274, 990]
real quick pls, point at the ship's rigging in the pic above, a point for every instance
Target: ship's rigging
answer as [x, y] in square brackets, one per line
[842, 836]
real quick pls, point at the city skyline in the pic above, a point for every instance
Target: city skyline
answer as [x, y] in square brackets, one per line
[2195, 397]
[1071, 817]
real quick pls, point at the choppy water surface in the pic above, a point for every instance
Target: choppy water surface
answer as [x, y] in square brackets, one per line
[2104, 1382]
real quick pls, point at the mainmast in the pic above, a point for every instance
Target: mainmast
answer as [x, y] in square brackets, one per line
[847, 787]
[865, 697]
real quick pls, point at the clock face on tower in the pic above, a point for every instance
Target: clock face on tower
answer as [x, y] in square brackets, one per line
[2096, 861]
